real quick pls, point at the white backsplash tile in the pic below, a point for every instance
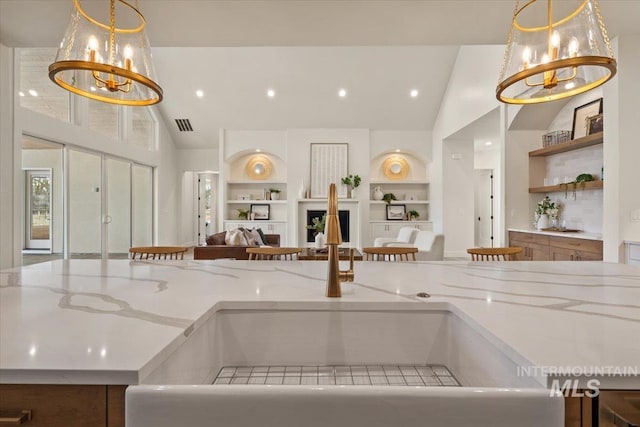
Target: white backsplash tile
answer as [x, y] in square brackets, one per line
[585, 211]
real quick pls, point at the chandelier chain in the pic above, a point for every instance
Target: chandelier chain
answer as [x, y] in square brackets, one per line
[112, 32]
[603, 28]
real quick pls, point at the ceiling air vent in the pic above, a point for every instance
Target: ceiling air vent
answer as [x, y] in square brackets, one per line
[184, 125]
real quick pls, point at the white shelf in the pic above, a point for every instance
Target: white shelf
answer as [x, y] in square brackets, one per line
[261, 221]
[264, 202]
[253, 181]
[422, 182]
[400, 202]
[325, 201]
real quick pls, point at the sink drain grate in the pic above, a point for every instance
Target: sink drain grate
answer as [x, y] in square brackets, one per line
[375, 375]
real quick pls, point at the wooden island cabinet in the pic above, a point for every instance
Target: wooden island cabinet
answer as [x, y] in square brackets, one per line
[547, 247]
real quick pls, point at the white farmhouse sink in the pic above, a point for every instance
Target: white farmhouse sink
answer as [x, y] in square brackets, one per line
[491, 394]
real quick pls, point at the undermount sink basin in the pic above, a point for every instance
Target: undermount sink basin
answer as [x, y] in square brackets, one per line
[179, 392]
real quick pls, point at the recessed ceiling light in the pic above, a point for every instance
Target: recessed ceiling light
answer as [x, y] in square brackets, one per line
[342, 93]
[21, 93]
[199, 93]
[488, 143]
[271, 93]
[33, 92]
[257, 150]
[397, 150]
[93, 88]
[414, 93]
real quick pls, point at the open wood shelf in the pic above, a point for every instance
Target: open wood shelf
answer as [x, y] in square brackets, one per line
[591, 185]
[563, 147]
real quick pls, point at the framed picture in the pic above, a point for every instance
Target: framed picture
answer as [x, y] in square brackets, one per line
[595, 124]
[329, 163]
[580, 115]
[260, 212]
[396, 212]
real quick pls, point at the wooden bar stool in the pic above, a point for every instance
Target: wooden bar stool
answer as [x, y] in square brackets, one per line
[494, 254]
[158, 252]
[261, 254]
[390, 253]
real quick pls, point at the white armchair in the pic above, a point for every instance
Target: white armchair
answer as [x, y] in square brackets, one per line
[406, 237]
[430, 246]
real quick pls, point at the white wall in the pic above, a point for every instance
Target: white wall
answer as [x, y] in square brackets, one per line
[621, 149]
[459, 201]
[9, 246]
[470, 95]
[518, 202]
[198, 160]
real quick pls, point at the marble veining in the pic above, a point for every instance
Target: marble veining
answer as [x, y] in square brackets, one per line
[53, 314]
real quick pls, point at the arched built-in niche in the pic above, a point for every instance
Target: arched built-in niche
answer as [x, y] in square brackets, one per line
[256, 166]
[398, 167]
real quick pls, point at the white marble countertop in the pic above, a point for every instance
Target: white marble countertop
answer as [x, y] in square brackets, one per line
[572, 234]
[106, 322]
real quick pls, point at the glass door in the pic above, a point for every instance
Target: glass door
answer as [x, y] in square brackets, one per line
[85, 205]
[117, 216]
[206, 203]
[38, 223]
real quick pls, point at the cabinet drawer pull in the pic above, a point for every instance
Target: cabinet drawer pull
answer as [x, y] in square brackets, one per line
[15, 418]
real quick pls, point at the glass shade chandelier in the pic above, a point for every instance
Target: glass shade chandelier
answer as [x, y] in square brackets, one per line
[105, 62]
[557, 58]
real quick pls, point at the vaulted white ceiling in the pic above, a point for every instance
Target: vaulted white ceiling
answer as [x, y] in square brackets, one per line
[305, 50]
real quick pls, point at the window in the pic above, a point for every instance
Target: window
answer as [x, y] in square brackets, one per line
[37, 92]
[142, 129]
[103, 118]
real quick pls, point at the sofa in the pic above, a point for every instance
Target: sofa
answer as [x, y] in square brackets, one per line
[217, 249]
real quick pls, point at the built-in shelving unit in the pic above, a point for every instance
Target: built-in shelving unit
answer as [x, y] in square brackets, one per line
[537, 165]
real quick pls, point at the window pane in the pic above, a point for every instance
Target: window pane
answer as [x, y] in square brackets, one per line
[103, 118]
[142, 127]
[37, 92]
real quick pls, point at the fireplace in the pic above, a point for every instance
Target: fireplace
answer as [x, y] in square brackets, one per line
[343, 216]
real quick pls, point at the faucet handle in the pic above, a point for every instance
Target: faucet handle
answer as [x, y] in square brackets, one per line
[348, 275]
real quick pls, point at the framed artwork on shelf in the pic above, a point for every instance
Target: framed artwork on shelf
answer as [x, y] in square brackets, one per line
[581, 117]
[329, 163]
[396, 212]
[259, 212]
[595, 124]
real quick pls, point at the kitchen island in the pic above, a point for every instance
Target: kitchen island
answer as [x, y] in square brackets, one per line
[117, 323]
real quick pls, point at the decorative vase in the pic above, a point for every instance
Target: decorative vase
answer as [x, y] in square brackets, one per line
[353, 193]
[543, 222]
[321, 241]
[377, 193]
[275, 196]
[301, 191]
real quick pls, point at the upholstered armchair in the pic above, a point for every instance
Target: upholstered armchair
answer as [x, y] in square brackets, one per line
[406, 236]
[430, 246]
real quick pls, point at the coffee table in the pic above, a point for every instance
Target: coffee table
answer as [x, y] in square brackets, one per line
[311, 254]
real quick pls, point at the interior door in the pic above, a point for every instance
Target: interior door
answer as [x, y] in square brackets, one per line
[38, 209]
[85, 204]
[483, 183]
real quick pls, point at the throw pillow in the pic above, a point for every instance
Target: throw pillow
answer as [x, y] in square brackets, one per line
[216, 239]
[262, 236]
[253, 237]
[235, 238]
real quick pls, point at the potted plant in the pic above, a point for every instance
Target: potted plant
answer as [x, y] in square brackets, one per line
[388, 197]
[413, 215]
[545, 208]
[352, 182]
[317, 225]
[275, 193]
[243, 214]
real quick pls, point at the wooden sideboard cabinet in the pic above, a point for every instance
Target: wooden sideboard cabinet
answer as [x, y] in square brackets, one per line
[542, 247]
